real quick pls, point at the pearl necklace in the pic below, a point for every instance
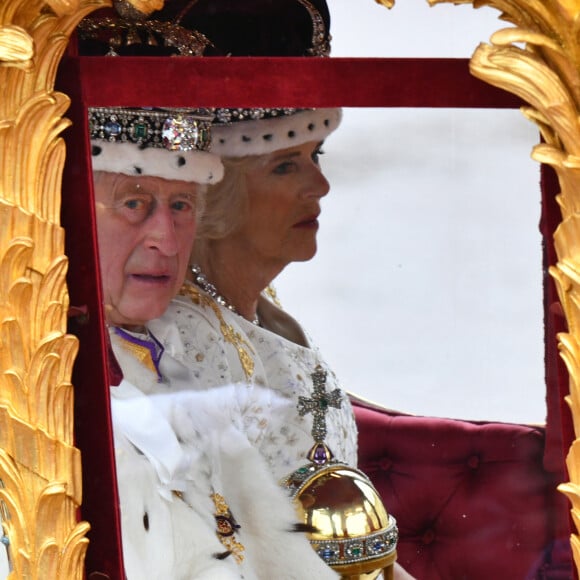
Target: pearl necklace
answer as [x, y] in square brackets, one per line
[200, 280]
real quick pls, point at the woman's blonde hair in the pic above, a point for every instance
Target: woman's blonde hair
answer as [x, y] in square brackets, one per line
[225, 204]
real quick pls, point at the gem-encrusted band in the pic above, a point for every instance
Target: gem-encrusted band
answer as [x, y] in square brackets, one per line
[355, 550]
[177, 129]
[226, 116]
[320, 42]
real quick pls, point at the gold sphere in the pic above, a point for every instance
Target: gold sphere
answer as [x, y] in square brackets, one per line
[350, 528]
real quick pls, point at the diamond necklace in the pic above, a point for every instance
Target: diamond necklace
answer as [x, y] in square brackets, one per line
[201, 280]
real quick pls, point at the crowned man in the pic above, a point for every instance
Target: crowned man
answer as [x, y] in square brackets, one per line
[196, 499]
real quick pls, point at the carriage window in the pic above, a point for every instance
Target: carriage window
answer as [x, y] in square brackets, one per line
[429, 255]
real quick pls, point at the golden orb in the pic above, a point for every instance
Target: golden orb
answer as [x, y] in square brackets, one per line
[350, 528]
[342, 512]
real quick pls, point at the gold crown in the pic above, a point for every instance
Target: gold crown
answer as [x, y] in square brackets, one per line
[115, 33]
[132, 25]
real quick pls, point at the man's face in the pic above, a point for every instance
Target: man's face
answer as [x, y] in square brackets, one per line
[146, 227]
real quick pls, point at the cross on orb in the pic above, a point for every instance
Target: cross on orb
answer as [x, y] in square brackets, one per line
[319, 404]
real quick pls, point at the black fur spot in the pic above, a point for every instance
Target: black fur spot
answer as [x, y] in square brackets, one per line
[311, 126]
[246, 139]
[138, 170]
[96, 150]
[304, 528]
[146, 521]
[222, 140]
[222, 555]
[180, 161]
[326, 122]
[268, 137]
[291, 134]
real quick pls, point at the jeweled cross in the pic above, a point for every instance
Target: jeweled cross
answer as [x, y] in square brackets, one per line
[319, 403]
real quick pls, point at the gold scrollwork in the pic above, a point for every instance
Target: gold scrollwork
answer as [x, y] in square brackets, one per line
[40, 484]
[16, 46]
[386, 3]
[40, 469]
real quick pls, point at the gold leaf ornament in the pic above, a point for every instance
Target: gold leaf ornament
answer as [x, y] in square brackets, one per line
[64, 7]
[141, 7]
[16, 45]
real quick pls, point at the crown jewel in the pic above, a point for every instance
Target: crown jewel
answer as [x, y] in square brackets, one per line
[116, 32]
[139, 26]
[320, 40]
[177, 129]
[225, 116]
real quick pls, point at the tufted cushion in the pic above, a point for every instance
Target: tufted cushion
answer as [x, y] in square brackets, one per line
[472, 500]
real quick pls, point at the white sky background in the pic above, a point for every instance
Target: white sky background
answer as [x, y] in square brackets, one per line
[426, 295]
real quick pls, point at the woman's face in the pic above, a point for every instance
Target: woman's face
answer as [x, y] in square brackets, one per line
[146, 227]
[284, 192]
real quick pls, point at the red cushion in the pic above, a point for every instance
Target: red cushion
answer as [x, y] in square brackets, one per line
[472, 500]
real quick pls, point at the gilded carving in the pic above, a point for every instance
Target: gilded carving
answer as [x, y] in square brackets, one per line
[40, 469]
[16, 46]
[145, 7]
[386, 3]
[40, 482]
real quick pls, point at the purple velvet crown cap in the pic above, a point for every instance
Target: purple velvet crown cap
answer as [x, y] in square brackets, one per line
[212, 28]
[255, 27]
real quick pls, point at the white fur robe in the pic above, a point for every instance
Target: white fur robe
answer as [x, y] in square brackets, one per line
[194, 443]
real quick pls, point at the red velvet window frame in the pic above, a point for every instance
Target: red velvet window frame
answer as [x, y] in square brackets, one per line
[247, 82]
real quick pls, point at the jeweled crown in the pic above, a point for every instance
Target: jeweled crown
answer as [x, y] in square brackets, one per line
[167, 143]
[116, 32]
[174, 129]
[209, 27]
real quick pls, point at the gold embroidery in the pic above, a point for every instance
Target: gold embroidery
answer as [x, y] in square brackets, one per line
[244, 349]
[141, 353]
[226, 527]
[273, 295]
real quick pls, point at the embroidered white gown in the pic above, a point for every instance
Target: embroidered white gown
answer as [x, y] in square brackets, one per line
[169, 439]
[222, 348]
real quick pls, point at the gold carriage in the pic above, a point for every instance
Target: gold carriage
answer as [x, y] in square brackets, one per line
[54, 486]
